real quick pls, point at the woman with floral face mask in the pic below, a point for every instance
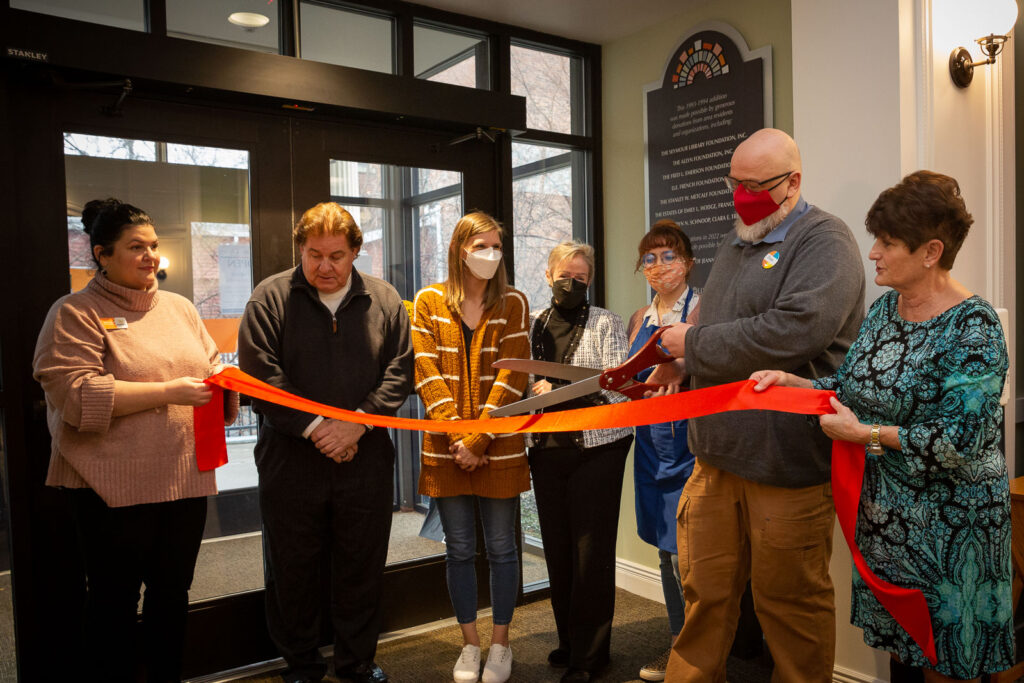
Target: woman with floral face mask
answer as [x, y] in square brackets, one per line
[459, 327]
[577, 476]
[662, 462]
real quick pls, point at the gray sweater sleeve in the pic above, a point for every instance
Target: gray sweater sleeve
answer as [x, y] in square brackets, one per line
[822, 285]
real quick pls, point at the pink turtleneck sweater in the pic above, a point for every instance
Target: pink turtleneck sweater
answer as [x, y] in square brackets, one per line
[106, 332]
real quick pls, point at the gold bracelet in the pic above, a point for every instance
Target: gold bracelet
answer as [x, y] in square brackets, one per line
[875, 444]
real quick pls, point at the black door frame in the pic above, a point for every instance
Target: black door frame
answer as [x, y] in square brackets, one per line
[47, 575]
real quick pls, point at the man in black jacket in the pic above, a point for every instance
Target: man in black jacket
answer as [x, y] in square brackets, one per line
[328, 333]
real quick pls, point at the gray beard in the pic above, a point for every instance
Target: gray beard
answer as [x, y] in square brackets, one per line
[757, 231]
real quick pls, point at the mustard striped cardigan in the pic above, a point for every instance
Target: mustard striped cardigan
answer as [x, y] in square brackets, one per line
[448, 394]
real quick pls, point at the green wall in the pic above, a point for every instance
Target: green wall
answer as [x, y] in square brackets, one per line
[627, 66]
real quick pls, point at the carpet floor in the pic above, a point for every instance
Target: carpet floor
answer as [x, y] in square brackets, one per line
[639, 635]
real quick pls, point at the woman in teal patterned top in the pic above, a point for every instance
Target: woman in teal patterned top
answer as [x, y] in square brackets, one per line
[920, 387]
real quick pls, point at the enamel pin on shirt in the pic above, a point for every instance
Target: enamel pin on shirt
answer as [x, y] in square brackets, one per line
[770, 259]
[114, 323]
[585, 380]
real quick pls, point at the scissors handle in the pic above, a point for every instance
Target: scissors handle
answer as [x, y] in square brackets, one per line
[620, 378]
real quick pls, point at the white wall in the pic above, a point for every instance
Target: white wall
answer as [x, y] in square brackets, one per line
[873, 101]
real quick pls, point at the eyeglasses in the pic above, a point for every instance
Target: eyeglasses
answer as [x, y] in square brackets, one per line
[667, 258]
[756, 185]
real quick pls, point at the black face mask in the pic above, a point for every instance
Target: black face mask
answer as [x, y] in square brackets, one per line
[568, 293]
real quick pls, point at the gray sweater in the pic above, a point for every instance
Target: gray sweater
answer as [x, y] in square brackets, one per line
[799, 315]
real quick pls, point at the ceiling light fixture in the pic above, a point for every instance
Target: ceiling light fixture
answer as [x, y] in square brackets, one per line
[249, 20]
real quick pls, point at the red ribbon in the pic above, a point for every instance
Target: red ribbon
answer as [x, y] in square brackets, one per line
[211, 446]
[907, 606]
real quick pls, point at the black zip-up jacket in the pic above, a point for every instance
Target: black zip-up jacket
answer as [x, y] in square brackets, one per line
[358, 358]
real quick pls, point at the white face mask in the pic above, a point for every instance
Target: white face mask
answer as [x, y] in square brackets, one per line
[483, 263]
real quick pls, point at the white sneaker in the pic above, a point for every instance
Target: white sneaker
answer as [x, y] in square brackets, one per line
[468, 667]
[499, 664]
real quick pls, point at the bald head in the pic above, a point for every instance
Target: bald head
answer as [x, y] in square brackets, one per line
[769, 149]
[769, 153]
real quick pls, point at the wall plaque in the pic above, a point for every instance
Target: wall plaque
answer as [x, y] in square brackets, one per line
[714, 93]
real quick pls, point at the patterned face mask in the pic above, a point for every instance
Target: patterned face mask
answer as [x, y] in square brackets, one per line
[665, 277]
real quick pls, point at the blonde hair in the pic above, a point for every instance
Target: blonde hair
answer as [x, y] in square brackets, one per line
[469, 226]
[327, 218]
[566, 251]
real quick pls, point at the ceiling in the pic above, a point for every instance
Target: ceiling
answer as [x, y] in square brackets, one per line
[592, 21]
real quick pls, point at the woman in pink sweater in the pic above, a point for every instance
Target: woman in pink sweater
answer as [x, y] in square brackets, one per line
[122, 366]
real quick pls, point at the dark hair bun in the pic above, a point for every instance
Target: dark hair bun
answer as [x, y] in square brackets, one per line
[94, 209]
[105, 219]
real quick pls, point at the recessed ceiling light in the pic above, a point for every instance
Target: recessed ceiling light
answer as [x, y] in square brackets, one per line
[249, 20]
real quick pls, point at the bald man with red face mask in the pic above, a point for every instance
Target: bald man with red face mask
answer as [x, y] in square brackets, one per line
[786, 290]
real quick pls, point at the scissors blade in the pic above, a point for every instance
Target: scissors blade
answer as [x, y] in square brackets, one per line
[560, 395]
[573, 373]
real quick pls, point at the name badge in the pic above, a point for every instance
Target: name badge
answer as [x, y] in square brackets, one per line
[770, 260]
[114, 323]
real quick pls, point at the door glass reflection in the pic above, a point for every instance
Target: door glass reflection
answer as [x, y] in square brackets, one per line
[199, 199]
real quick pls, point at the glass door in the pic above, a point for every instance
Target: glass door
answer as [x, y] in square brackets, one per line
[224, 188]
[199, 199]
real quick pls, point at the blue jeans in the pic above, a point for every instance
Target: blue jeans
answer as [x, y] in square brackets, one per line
[498, 516]
[672, 585]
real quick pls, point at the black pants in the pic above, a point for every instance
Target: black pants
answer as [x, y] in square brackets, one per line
[155, 544]
[577, 491]
[325, 532]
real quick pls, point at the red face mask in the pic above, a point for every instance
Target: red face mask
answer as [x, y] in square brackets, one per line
[753, 206]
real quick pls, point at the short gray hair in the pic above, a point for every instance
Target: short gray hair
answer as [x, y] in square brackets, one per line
[570, 250]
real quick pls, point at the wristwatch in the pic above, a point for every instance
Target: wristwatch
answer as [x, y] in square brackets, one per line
[875, 444]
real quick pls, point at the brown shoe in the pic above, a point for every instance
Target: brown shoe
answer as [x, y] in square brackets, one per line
[655, 671]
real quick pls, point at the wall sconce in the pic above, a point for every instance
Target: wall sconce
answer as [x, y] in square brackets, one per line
[161, 272]
[992, 15]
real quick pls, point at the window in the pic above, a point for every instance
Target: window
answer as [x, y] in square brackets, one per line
[551, 200]
[248, 24]
[449, 56]
[346, 37]
[198, 198]
[406, 215]
[545, 210]
[552, 86]
[130, 14]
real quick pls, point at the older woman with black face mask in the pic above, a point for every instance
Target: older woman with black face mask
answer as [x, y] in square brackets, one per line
[122, 365]
[577, 476]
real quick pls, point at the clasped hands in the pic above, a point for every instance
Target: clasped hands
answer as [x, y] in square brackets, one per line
[338, 440]
[465, 458]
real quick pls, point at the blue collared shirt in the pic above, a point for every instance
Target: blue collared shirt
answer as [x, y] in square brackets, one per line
[779, 233]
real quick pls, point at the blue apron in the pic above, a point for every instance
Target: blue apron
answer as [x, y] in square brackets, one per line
[662, 463]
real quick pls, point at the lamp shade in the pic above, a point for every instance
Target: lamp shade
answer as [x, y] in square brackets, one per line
[988, 17]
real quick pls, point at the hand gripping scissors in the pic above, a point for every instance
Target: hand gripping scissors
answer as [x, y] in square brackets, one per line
[585, 380]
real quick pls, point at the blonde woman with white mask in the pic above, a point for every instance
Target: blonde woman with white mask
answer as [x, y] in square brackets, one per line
[459, 327]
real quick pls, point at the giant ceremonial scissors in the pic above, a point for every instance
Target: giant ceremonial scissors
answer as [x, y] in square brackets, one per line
[585, 380]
